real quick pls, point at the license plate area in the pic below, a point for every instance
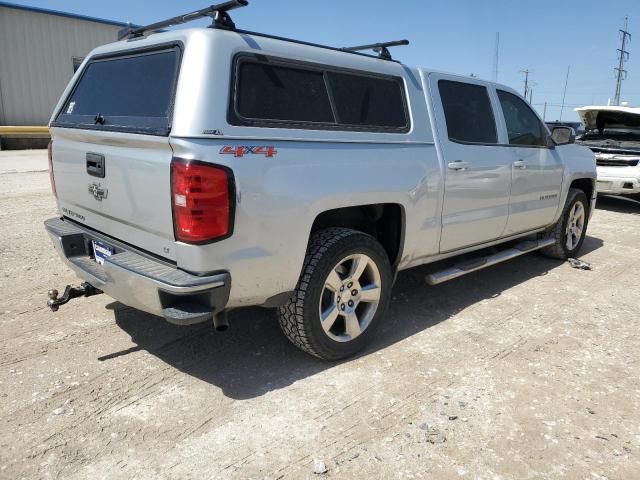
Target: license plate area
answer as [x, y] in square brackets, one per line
[101, 251]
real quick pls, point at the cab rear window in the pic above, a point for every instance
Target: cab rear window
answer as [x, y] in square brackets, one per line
[131, 92]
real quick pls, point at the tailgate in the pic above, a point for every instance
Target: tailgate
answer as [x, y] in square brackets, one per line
[111, 152]
[132, 202]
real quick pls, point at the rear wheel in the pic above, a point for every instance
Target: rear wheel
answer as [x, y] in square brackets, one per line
[570, 231]
[342, 293]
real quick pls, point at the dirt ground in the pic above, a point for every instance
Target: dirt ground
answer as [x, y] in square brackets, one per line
[527, 370]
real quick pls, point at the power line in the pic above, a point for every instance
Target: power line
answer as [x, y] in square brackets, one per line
[569, 105]
[623, 57]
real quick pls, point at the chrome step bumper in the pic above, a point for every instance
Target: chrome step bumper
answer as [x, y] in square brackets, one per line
[140, 281]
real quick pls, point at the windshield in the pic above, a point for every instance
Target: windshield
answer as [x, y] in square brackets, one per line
[617, 133]
[124, 93]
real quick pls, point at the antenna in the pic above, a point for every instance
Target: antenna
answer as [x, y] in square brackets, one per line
[382, 49]
[218, 13]
[623, 57]
[495, 58]
[564, 95]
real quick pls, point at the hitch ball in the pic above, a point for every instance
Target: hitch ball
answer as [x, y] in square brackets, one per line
[70, 292]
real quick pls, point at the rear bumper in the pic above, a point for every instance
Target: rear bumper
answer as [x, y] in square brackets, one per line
[138, 280]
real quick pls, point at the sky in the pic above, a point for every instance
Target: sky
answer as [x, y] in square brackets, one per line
[543, 36]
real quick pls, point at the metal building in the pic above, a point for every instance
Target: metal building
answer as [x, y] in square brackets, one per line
[39, 52]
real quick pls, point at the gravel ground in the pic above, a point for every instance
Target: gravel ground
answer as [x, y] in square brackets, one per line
[526, 370]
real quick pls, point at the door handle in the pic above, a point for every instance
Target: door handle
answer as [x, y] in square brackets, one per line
[458, 165]
[520, 164]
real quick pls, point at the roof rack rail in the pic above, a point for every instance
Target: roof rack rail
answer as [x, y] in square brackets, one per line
[221, 19]
[382, 48]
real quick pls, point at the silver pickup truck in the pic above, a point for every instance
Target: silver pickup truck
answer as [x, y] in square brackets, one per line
[207, 169]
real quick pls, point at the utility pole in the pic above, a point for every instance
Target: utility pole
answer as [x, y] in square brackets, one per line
[495, 58]
[526, 82]
[544, 112]
[564, 95]
[623, 55]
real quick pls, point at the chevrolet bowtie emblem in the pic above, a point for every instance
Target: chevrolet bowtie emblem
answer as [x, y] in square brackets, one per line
[98, 191]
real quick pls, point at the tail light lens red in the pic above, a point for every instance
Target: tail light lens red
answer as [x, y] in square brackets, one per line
[202, 197]
[51, 177]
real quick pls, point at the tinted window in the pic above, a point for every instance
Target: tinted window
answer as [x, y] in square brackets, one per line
[364, 100]
[523, 126]
[133, 92]
[301, 96]
[272, 92]
[468, 112]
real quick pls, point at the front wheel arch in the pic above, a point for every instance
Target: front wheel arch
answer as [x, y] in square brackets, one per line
[558, 232]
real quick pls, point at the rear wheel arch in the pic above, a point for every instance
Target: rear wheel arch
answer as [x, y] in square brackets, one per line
[386, 222]
[324, 316]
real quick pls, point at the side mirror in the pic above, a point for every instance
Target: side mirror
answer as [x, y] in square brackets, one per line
[563, 135]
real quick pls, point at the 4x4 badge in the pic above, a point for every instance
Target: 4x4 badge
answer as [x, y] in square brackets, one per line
[98, 191]
[242, 150]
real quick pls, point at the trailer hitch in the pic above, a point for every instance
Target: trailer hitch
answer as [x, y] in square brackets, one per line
[84, 290]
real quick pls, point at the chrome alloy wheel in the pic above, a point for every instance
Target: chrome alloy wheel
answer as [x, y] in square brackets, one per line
[575, 225]
[350, 297]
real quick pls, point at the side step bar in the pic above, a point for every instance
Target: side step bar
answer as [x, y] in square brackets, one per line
[487, 261]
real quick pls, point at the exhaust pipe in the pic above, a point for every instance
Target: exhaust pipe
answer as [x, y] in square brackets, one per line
[220, 321]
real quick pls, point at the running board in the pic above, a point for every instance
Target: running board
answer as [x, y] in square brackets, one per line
[487, 261]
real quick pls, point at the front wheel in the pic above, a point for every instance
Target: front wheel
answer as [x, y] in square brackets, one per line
[570, 231]
[343, 291]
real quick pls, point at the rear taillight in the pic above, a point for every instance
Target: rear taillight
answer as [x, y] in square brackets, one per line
[51, 177]
[202, 196]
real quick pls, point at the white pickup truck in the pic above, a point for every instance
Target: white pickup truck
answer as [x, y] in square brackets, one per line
[613, 134]
[202, 170]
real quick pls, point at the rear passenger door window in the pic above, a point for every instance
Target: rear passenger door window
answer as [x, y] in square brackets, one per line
[270, 92]
[468, 113]
[524, 128]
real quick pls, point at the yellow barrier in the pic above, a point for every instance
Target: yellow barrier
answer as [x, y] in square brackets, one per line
[23, 130]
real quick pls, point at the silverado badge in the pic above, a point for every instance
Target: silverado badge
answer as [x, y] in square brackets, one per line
[98, 191]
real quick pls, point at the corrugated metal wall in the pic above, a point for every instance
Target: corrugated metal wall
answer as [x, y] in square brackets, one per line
[36, 60]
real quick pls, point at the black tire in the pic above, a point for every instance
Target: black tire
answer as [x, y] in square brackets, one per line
[300, 317]
[559, 231]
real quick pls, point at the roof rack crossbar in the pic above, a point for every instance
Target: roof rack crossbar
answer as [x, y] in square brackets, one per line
[382, 48]
[218, 12]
